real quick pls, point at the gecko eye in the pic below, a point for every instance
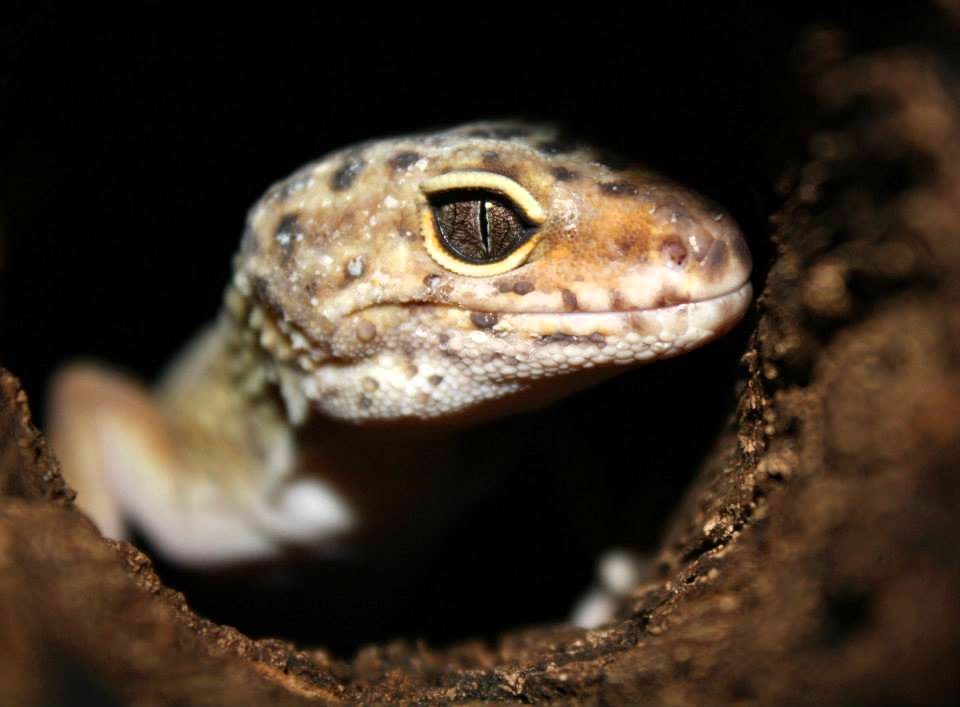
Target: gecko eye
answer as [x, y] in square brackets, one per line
[479, 223]
[478, 227]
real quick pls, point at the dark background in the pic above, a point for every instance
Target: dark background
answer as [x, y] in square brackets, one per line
[132, 146]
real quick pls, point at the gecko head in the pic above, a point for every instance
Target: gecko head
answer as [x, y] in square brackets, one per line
[432, 275]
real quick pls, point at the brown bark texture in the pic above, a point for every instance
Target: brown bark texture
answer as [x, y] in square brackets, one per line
[814, 560]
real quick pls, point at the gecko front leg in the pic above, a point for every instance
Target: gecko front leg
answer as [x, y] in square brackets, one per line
[205, 468]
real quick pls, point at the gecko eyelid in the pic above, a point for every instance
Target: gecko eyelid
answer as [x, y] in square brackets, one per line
[488, 181]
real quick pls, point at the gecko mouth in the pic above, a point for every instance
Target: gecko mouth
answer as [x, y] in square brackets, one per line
[651, 332]
[744, 289]
[589, 338]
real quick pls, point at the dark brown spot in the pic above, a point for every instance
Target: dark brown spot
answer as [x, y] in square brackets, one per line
[364, 402]
[343, 177]
[411, 369]
[617, 301]
[557, 146]
[562, 174]
[432, 280]
[285, 235]
[674, 252]
[435, 379]
[443, 338]
[717, 259]
[403, 160]
[569, 300]
[483, 320]
[619, 188]
[491, 156]
[523, 287]
[624, 244]
[504, 286]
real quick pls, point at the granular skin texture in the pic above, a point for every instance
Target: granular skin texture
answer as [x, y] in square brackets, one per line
[814, 560]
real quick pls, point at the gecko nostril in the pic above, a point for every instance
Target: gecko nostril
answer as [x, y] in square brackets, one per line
[674, 253]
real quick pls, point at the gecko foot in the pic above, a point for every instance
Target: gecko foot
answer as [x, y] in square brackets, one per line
[618, 572]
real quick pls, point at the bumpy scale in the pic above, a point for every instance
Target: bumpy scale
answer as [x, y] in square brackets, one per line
[383, 293]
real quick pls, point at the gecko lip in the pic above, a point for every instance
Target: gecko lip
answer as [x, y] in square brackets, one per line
[743, 290]
[665, 330]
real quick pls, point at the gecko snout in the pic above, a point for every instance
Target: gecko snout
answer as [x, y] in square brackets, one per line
[709, 254]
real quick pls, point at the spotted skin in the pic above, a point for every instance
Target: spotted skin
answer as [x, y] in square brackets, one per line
[337, 313]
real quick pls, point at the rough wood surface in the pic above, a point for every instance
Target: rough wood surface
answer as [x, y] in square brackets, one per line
[815, 560]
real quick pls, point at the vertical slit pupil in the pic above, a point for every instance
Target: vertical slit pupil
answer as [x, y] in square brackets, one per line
[484, 226]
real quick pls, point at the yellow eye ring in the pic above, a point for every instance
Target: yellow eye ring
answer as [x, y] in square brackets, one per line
[519, 197]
